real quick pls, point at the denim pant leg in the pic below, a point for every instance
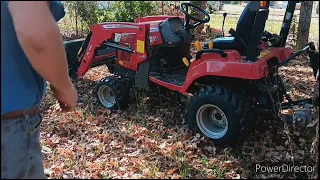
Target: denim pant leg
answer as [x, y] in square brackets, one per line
[21, 155]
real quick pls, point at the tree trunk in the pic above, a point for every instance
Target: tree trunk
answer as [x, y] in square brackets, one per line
[76, 15]
[82, 27]
[304, 23]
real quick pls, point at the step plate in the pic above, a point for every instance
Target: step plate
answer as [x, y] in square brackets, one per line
[172, 79]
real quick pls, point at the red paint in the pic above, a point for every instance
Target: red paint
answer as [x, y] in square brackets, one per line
[149, 26]
[231, 66]
[102, 34]
[213, 65]
[209, 64]
[263, 45]
[165, 84]
[154, 33]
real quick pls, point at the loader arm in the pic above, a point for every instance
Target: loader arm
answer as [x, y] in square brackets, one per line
[103, 35]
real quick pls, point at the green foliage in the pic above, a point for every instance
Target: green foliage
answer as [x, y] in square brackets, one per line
[106, 15]
[86, 12]
[196, 13]
[128, 11]
[193, 12]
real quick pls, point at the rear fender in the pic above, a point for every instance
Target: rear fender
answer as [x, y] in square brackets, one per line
[231, 67]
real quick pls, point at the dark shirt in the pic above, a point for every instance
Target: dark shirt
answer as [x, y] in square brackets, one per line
[21, 86]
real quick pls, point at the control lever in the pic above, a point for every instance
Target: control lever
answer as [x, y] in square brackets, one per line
[224, 18]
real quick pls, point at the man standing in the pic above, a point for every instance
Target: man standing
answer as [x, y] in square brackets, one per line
[32, 52]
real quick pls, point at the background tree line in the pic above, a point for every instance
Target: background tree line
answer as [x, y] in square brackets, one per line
[86, 13]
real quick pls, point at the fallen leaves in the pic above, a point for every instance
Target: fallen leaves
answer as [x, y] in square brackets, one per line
[136, 176]
[171, 171]
[280, 148]
[176, 176]
[149, 141]
[232, 176]
[46, 150]
[135, 153]
[228, 165]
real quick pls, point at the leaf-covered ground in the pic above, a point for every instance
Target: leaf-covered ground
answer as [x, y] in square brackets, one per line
[151, 139]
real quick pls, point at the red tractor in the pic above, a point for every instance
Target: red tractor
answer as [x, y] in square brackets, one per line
[232, 80]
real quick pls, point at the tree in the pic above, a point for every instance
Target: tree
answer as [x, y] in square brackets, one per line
[198, 14]
[86, 12]
[128, 11]
[304, 23]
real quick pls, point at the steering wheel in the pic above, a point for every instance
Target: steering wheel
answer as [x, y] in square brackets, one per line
[184, 9]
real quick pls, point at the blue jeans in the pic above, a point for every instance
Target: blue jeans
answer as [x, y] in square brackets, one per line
[21, 155]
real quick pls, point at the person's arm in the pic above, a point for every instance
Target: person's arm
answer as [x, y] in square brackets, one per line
[41, 41]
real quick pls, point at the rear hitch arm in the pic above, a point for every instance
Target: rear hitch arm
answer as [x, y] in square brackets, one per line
[289, 105]
[314, 60]
[297, 53]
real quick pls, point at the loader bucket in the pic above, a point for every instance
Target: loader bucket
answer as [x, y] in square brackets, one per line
[72, 47]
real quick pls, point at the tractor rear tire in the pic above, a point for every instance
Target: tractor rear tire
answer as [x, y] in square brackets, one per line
[113, 92]
[235, 111]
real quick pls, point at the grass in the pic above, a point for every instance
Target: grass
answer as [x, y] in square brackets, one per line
[216, 22]
[219, 172]
[273, 26]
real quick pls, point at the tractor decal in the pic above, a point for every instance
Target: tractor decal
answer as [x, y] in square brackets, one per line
[140, 46]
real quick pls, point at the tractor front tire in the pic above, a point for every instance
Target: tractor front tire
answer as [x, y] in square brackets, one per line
[231, 112]
[113, 92]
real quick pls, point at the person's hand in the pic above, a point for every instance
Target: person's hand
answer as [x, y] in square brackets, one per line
[67, 98]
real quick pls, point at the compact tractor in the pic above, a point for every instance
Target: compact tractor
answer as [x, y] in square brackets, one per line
[232, 80]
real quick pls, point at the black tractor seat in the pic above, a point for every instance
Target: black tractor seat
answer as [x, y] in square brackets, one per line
[244, 30]
[224, 43]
